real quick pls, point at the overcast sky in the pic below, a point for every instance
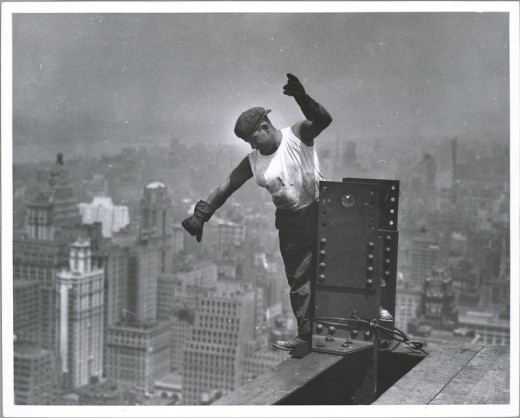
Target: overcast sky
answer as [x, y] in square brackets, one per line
[106, 80]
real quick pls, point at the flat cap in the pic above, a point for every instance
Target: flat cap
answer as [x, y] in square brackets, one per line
[248, 121]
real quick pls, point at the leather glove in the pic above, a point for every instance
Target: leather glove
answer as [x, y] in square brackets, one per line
[194, 224]
[295, 89]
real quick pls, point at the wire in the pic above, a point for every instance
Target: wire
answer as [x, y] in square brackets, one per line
[395, 333]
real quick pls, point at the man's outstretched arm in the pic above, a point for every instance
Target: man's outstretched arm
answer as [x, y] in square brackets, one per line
[205, 209]
[240, 174]
[317, 117]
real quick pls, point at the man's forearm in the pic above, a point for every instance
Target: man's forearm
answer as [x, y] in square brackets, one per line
[314, 112]
[220, 194]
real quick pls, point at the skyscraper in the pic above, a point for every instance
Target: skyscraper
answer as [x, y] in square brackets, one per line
[36, 380]
[116, 260]
[102, 209]
[152, 254]
[138, 353]
[42, 251]
[424, 258]
[215, 353]
[80, 318]
[27, 311]
[138, 345]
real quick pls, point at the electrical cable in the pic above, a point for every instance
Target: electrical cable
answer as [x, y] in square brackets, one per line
[395, 333]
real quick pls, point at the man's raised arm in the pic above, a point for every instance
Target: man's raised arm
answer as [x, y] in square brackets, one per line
[205, 209]
[317, 117]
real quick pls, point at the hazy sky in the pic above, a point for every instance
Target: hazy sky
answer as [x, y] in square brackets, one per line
[106, 80]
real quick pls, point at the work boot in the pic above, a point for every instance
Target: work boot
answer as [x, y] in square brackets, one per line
[291, 344]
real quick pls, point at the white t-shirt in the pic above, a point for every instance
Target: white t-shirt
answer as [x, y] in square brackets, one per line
[291, 174]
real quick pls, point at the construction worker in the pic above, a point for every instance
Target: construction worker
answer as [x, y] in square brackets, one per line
[284, 161]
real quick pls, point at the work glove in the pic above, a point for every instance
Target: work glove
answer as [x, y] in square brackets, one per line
[295, 89]
[195, 223]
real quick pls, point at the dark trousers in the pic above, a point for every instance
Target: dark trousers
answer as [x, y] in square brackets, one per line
[297, 236]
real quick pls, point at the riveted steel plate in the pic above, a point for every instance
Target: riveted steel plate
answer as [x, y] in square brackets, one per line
[388, 200]
[347, 234]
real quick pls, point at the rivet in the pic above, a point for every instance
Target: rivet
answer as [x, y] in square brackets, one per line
[323, 240]
[354, 333]
[370, 282]
[387, 273]
[322, 253]
[367, 335]
[388, 249]
[370, 244]
[319, 328]
[332, 330]
[322, 266]
[321, 277]
[348, 200]
[370, 257]
[370, 269]
[387, 261]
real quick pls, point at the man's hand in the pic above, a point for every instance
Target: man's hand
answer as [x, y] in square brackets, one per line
[317, 116]
[194, 224]
[293, 87]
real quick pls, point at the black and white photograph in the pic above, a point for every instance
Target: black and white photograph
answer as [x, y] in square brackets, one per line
[240, 208]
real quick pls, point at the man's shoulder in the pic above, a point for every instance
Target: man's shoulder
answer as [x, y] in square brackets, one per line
[293, 135]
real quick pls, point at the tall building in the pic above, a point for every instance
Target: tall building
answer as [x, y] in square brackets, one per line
[215, 353]
[177, 239]
[407, 303]
[138, 346]
[222, 238]
[36, 380]
[182, 324]
[55, 207]
[178, 296]
[27, 311]
[138, 354]
[424, 258]
[231, 236]
[437, 307]
[112, 217]
[152, 254]
[166, 290]
[80, 318]
[116, 264]
[187, 287]
[42, 251]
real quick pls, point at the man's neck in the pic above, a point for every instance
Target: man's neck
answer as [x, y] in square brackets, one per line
[277, 140]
